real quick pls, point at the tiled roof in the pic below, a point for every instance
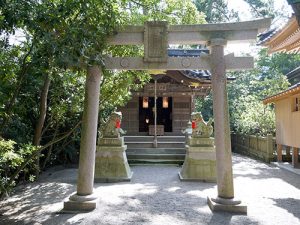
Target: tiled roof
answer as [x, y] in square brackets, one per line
[198, 75]
[187, 52]
[192, 74]
[281, 95]
[294, 71]
[265, 36]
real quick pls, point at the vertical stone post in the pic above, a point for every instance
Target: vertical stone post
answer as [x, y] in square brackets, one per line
[288, 151]
[295, 157]
[83, 200]
[270, 149]
[155, 113]
[279, 153]
[192, 106]
[225, 200]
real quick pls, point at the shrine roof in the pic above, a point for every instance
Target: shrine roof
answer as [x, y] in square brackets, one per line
[282, 39]
[198, 75]
[187, 52]
[267, 35]
[294, 89]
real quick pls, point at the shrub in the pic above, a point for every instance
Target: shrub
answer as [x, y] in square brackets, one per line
[12, 158]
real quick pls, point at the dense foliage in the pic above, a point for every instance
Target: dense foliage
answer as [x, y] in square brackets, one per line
[248, 115]
[42, 75]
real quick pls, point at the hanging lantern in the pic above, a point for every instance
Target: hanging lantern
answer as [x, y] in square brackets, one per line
[194, 125]
[165, 102]
[145, 102]
[147, 120]
[118, 124]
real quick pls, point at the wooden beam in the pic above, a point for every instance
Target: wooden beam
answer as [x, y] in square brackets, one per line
[196, 34]
[177, 63]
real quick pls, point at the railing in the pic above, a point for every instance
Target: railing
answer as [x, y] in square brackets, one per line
[262, 148]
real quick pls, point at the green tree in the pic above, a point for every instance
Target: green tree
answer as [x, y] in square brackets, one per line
[247, 112]
[41, 96]
[216, 11]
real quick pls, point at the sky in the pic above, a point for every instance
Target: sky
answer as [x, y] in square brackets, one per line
[244, 10]
[245, 15]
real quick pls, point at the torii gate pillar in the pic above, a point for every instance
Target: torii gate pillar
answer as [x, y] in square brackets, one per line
[225, 200]
[84, 198]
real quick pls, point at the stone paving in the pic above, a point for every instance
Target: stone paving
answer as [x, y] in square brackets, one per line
[156, 196]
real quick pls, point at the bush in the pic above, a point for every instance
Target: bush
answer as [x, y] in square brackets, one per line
[254, 118]
[12, 158]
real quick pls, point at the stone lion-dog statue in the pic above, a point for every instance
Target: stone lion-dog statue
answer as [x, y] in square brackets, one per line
[202, 128]
[109, 127]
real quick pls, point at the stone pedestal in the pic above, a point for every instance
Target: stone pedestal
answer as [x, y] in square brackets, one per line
[226, 205]
[200, 160]
[111, 161]
[78, 203]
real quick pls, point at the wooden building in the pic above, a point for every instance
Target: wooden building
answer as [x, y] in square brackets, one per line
[286, 39]
[287, 111]
[176, 92]
[294, 76]
[287, 103]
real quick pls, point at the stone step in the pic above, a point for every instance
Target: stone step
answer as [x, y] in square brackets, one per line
[151, 138]
[155, 156]
[156, 150]
[149, 144]
[155, 161]
[170, 150]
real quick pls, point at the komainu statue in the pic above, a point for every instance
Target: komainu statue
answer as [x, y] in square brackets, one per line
[109, 128]
[202, 128]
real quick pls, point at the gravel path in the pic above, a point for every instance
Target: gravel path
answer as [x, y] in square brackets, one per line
[156, 196]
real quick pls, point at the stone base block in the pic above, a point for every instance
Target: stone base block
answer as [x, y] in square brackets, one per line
[78, 203]
[75, 207]
[198, 170]
[227, 206]
[112, 165]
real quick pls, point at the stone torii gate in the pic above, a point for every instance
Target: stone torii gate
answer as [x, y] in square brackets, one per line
[156, 36]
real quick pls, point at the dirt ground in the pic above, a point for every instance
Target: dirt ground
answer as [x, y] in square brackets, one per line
[156, 196]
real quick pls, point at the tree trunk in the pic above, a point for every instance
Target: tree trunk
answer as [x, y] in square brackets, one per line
[12, 100]
[49, 152]
[42, 117]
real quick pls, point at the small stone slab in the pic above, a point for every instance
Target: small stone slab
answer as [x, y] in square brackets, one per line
[112, 148]
[111, 141]
[113, 179]
[236, 209]
[200, 141]
[181, 178]
[156, 42]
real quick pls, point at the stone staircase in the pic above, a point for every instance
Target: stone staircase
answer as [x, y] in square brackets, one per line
[170, 150]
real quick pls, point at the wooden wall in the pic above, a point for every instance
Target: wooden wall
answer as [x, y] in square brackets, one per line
[180, 115]
[287, 123]
[130, 116]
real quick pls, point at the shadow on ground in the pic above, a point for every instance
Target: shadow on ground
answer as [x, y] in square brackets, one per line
[154, 196]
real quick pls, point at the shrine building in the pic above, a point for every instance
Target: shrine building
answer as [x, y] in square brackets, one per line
[176, 91]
